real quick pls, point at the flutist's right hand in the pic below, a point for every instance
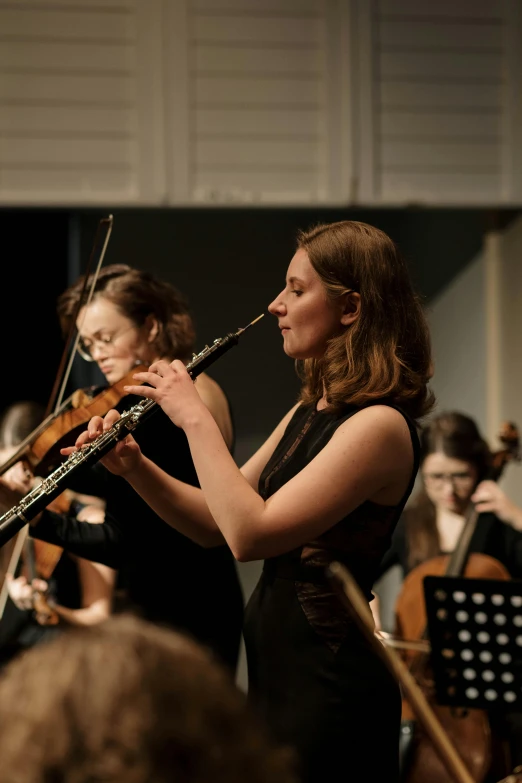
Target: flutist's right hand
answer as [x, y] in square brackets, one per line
[123, 458]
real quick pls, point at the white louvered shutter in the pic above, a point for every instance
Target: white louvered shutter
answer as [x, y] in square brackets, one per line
[81, 104]
[258, 99]
[439, 110]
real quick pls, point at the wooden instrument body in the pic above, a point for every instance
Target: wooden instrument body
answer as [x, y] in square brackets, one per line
[469, 729]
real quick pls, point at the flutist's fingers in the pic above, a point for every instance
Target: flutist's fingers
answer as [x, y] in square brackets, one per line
[96, 426]
[172, 388]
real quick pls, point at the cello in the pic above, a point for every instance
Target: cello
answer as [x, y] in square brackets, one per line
[469, 729]
[442, 745]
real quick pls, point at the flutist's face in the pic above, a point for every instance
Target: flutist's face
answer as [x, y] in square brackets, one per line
[112, 340]
[307, 317]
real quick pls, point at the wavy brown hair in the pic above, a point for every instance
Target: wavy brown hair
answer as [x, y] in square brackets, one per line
[126, 701]
[385, 353]
[138, 294]
[457, 436]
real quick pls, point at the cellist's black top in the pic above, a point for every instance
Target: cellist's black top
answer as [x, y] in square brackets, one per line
[491, 537]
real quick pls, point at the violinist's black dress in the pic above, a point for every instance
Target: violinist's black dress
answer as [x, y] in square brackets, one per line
[312, 675]
[168, 579]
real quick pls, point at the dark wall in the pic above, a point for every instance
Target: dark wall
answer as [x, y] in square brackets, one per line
[229, 263]
[34, 271]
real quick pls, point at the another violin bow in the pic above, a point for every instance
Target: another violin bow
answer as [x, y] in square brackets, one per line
[101, 240]
[354, 600]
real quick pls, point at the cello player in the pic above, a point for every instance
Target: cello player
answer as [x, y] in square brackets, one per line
[454, 461]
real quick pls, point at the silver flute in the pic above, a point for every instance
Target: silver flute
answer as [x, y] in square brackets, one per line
[55, 483]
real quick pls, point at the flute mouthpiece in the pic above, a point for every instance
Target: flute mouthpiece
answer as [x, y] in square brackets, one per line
[240, 331]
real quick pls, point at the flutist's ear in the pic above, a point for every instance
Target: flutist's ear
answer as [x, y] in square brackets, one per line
[352, 308]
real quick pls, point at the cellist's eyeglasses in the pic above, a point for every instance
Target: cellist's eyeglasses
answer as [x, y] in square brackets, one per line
[86, 347]
[461, 479]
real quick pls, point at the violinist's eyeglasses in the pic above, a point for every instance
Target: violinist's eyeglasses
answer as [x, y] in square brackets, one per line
[85, 349]
[460, 480]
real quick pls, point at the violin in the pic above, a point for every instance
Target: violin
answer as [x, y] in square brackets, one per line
[469, 729]
[41, 449]
[40, 455]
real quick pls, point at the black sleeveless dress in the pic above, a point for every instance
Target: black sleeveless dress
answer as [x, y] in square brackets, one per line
[312, 675]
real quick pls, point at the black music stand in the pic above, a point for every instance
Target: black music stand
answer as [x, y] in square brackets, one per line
[475, 631]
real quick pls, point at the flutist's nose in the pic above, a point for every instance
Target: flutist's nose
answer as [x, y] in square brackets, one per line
[277, 307]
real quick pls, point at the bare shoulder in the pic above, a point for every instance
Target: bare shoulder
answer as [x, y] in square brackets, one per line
[383, 420]
[209, 389]
[216, 401]
[381, 438]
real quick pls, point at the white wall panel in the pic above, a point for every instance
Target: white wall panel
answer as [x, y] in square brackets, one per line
[510, 344]
[261, 118]
[81, 105]
[436, 102]
[456, 319]
[261, 101]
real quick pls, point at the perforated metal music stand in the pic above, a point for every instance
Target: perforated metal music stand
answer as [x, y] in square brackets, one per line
[475, 631]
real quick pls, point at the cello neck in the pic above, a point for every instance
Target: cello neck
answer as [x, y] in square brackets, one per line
[459, 556]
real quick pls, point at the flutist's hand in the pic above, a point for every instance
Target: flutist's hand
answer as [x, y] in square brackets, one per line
[123, 458]
[172, 388]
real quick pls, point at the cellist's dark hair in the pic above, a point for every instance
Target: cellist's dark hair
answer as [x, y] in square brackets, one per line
[455, 435]
[139, 294]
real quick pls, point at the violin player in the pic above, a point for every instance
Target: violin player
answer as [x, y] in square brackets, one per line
[134, 319]
[79, 591]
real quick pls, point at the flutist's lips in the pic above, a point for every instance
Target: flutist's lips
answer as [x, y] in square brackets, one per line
[284, 328]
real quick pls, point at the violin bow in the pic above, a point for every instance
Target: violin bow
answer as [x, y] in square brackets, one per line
[101, 240]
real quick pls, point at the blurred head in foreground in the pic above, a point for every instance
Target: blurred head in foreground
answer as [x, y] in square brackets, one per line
[127, 701]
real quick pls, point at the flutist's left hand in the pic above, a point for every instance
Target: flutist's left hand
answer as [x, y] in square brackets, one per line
[123, 458]
[173, 389]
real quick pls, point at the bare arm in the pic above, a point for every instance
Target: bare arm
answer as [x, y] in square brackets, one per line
[97, 586]
[180, 505]
[370, 457]
[214, 398]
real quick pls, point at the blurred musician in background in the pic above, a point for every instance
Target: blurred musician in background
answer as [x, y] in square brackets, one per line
[134, 319]
[77, 592]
